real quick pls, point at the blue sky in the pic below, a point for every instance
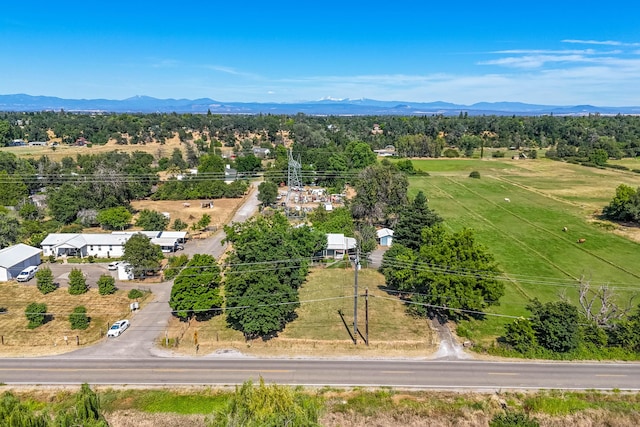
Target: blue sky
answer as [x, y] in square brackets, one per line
[560, 52]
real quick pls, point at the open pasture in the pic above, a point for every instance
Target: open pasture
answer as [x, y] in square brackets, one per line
[519, 210]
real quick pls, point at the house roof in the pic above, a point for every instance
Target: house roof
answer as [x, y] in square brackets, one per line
[164, 241]
[77, 240]
[16, 254]
[339, 242]
[173, 234]
[384, 232]
[149, 234]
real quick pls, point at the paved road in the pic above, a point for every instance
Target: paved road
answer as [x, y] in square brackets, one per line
[468, 375]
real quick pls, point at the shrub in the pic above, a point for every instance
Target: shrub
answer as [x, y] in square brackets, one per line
[77, 282]
[498, 154]
[135, 294]
[513, 419]
[268, 405]
[474, 174]
[78, 318]
[36, 314]
[44, 279]
[91, 259]
[52, 258]
[175, 265]
[450, 153]
[106, 285]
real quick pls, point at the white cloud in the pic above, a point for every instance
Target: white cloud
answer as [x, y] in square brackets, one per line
[600, 42]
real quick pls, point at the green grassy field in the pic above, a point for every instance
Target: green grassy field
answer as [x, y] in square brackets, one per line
[525, 232]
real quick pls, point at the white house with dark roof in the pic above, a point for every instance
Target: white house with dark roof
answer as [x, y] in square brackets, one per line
[16, 258]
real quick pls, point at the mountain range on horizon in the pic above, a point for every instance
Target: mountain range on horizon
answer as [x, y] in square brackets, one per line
[329, 106]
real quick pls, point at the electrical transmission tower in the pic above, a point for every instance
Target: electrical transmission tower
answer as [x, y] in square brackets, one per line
[294, 177]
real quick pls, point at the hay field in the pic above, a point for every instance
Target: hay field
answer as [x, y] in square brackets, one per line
[525, 233]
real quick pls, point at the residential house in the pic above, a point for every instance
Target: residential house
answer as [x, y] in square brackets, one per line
[14, 259]
[230, 174]
[83, 245]
[385, 236]
[338, 246]
[261, 153]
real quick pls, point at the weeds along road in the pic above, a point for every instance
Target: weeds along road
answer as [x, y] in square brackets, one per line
[219, 371]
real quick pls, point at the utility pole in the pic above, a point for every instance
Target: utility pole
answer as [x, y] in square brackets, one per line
[366, 316]
[355, 299]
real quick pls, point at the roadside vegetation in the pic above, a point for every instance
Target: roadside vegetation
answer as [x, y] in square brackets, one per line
[259, 404]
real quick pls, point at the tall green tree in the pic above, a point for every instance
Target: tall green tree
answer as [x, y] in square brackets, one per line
[143, 256]
[450, 274]
[106, 285]
[117, 218]
[380, 191]
[77, 282]
[12, 189]
[152, 220]
[267, 193]
[196, 289]
[625, 206]
[555, 324]
[44, 280]
[412, 219]
[9, 230]
[78, 318]
[268, 264]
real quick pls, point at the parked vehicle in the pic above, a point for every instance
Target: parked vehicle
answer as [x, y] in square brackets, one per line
[113, 265]
[27, 274]
[118, 328]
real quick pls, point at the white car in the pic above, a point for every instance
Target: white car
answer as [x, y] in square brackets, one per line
[27, 274]
[113, 265]
[118, 328]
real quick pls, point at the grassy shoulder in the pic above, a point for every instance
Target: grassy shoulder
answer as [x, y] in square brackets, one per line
[357, 407]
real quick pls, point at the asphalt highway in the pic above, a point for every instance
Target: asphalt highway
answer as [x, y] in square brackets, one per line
[422, 374]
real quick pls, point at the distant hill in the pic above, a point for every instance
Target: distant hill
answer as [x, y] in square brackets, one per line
[146, 104]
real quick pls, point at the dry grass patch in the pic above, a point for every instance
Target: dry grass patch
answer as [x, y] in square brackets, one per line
[49, 338]
[221, 213]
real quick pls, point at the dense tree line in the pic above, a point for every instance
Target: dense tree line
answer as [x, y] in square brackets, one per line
[413, 136]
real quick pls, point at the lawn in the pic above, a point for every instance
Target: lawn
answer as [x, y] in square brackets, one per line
[518, 210]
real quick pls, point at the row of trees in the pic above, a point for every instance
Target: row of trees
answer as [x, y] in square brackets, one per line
[597, 327]
[427, 132]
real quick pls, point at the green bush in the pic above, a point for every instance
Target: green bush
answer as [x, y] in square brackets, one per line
[91, 259]
[268, 405]
[78, 318]
[106, 285]
[77, 282]
[513, 419]
[474, 174]
[36, 314]
[44, 280]
[135, 294]
[498, 154]
[451, 153]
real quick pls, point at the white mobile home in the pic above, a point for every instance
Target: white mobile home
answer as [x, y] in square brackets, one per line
[83, 245]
